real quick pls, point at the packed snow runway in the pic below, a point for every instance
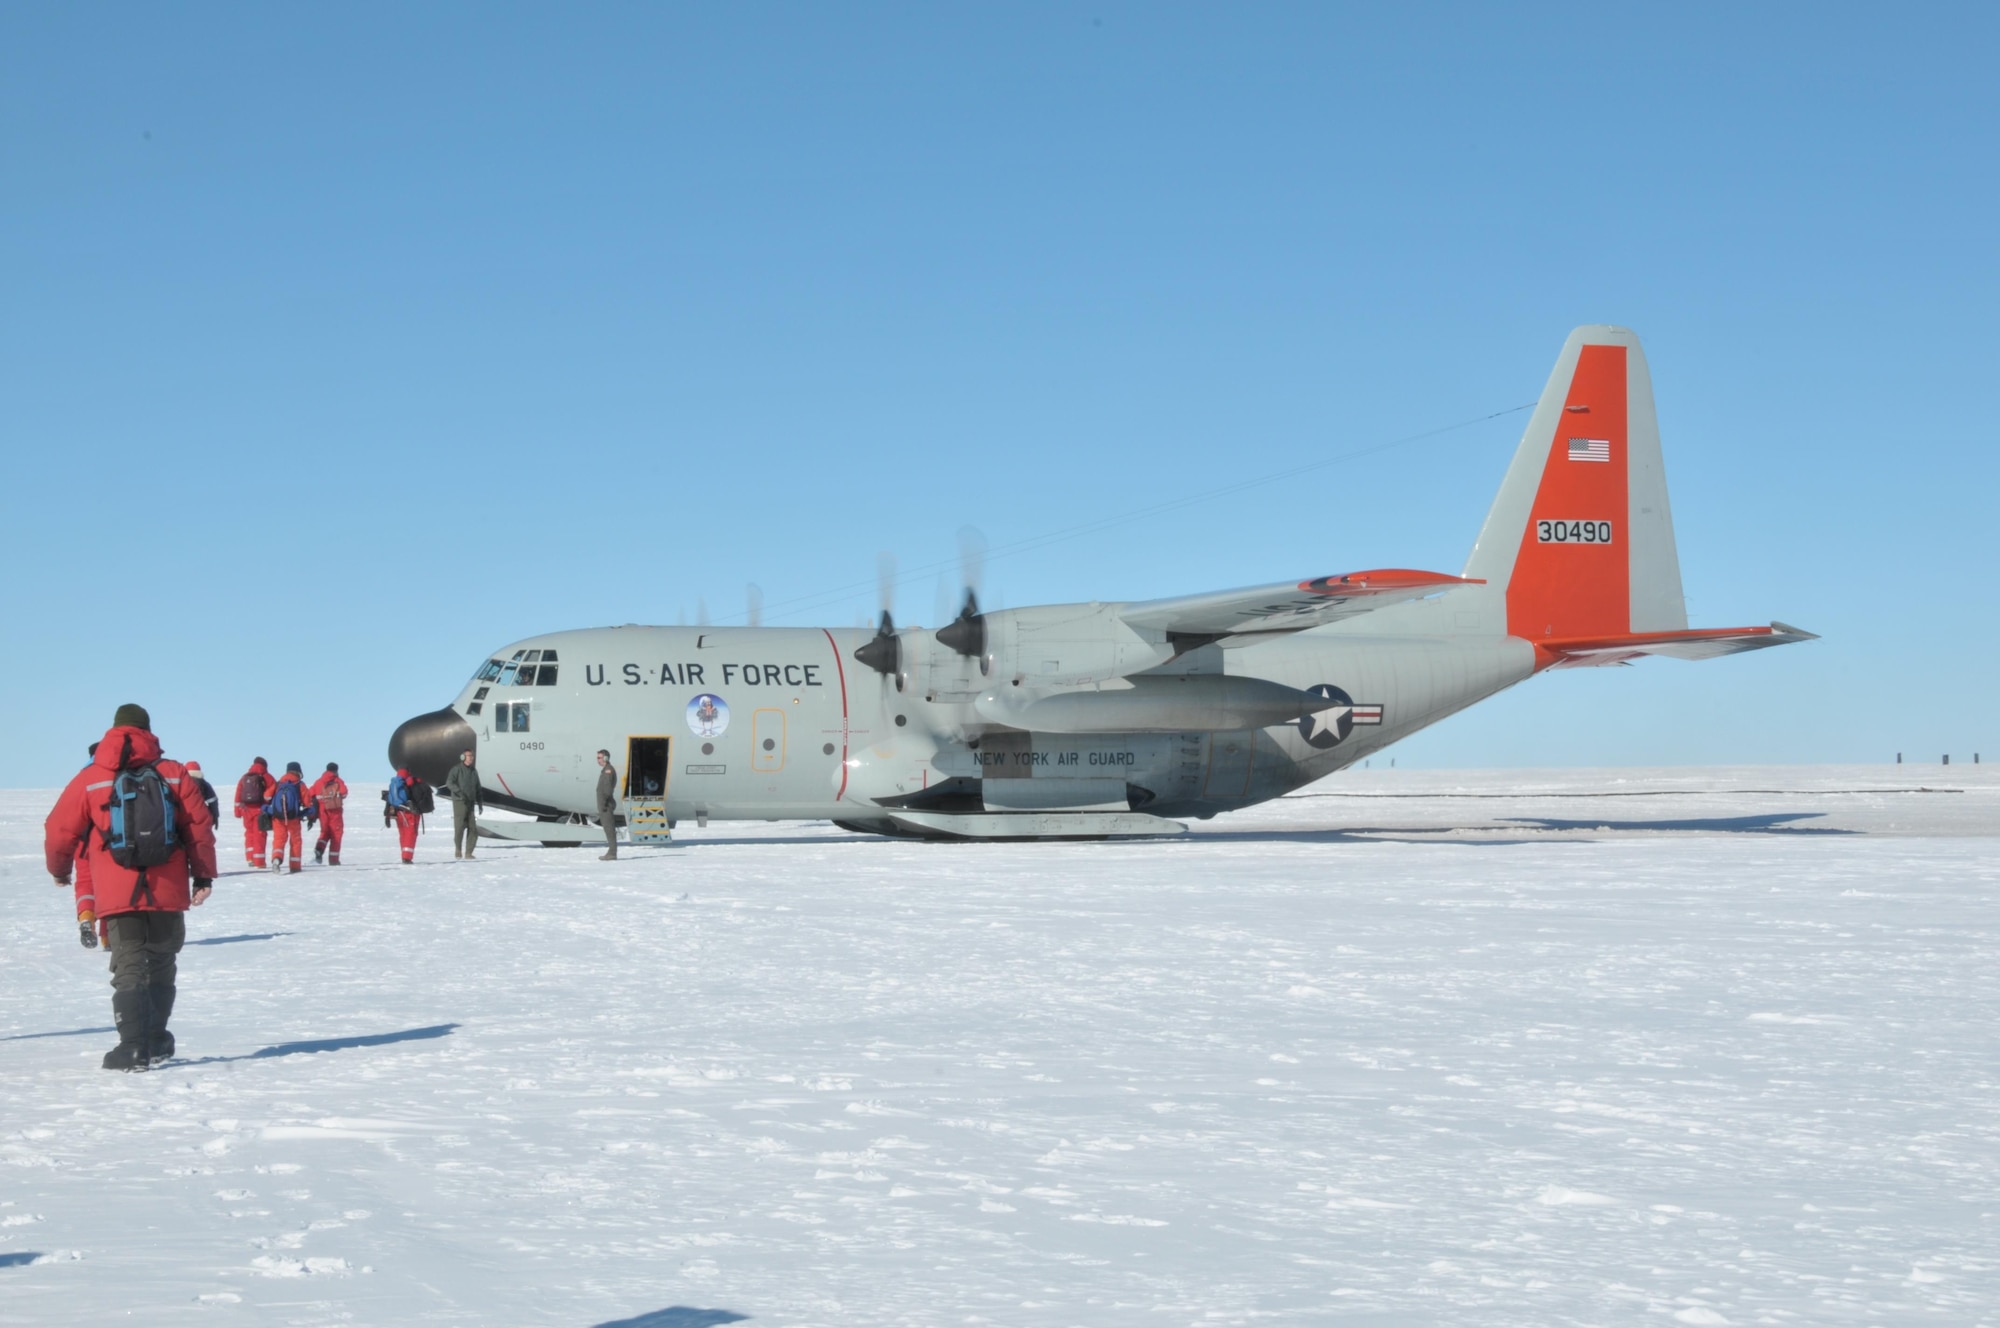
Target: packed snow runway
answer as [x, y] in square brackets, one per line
[1408, 1048]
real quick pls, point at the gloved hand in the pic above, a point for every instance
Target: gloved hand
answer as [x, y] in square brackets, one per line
[312, 818]
[202, 889]
[86, 929]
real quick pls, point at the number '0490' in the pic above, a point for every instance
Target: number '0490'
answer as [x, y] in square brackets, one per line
[1573, 532]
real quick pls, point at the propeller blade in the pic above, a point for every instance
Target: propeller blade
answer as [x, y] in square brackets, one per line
[966, 633]
[885, 573]
[972, 563]
[753, 594]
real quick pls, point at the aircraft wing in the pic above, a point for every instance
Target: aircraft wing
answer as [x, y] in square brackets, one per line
[1709, 643]
[1286, 607]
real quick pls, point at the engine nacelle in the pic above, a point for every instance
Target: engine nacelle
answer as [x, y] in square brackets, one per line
[1182, 703]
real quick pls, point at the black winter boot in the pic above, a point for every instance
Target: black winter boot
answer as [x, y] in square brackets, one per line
[128, 1010]
[159, 1041]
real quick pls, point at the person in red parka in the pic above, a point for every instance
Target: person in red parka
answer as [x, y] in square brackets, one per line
[143, 908]
[87, 925]
[400, 809]
[288, 811]
[329, 802]
[252, 792]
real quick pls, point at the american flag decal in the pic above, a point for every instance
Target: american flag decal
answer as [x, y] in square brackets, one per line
[1590, 449]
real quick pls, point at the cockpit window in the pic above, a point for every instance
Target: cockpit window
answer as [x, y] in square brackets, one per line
[511, 717]
[522, 670]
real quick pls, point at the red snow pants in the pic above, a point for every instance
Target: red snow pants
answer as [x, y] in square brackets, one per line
[253, 841]
[406, 831]
[331, 826]
[288, 841]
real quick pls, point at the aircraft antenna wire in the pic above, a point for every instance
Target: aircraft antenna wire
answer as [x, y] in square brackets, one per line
[1032, 542]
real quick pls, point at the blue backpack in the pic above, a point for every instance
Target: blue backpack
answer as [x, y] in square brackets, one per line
[142, 832]
[286, 804]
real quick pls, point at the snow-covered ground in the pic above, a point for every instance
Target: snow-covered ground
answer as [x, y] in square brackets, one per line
[1529, 1047]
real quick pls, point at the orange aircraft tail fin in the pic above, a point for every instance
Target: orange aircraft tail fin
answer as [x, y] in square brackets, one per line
[1581, 534]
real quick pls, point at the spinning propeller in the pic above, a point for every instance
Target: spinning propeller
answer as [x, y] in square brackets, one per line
[884, 651]
[966, 633]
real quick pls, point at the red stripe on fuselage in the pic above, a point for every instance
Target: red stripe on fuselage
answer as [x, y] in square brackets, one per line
[841, 670]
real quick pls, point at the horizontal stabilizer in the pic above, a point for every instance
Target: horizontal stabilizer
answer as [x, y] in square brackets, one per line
[1700, 643]
[1288, 606]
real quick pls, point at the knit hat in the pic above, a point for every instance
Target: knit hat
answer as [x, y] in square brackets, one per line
[132, 716]
[293, 768]
[193, 767]
[333, 767]
[259, 763]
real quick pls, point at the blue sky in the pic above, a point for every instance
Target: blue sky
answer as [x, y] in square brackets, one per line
[339, 346]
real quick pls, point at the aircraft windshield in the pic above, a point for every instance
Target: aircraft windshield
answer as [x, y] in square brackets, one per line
[527, 668]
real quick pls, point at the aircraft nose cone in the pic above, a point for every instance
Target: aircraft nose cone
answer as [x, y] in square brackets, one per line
[428, 745]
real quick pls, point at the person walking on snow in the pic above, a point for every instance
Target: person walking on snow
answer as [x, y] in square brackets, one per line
[463, 785]
[287, 810]
[206, 789]
[136, 823]
[252, 792]
[88, 927]
[607, 804]
[402, 799]
[328, 802]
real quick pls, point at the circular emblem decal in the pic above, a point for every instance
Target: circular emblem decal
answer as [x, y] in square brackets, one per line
[1326, 728]
[708, 715]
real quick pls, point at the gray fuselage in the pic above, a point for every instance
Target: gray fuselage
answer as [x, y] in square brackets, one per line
[767, 723]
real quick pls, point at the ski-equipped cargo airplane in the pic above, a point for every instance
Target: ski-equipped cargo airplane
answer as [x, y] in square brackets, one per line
[1103, 719]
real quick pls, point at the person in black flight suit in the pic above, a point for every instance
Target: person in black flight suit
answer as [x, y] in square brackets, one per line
[607, 804]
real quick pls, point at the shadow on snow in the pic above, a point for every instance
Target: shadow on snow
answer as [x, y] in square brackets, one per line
[67, 1032]
[677, 1316]
[328, 1044]
[246, 936]
[1768, 823]
[19, 1257]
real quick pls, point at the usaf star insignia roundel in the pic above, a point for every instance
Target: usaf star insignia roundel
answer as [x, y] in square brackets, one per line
[1328, 727]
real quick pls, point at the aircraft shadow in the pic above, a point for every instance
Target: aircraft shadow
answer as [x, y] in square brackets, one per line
[838, 837]
[67, 1032]
[15, 1258]
[327, 1044]
[676, 1316]
[1359, 834]
[247, 936]
[1770, 823]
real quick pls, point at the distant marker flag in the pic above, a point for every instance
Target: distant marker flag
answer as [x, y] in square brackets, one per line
[1590, 449]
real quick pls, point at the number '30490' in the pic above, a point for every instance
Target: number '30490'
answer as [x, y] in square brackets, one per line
[1573, 532]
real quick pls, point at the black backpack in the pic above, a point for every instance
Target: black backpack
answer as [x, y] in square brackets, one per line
[421, 801]
[142, 810]
[250, 790]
